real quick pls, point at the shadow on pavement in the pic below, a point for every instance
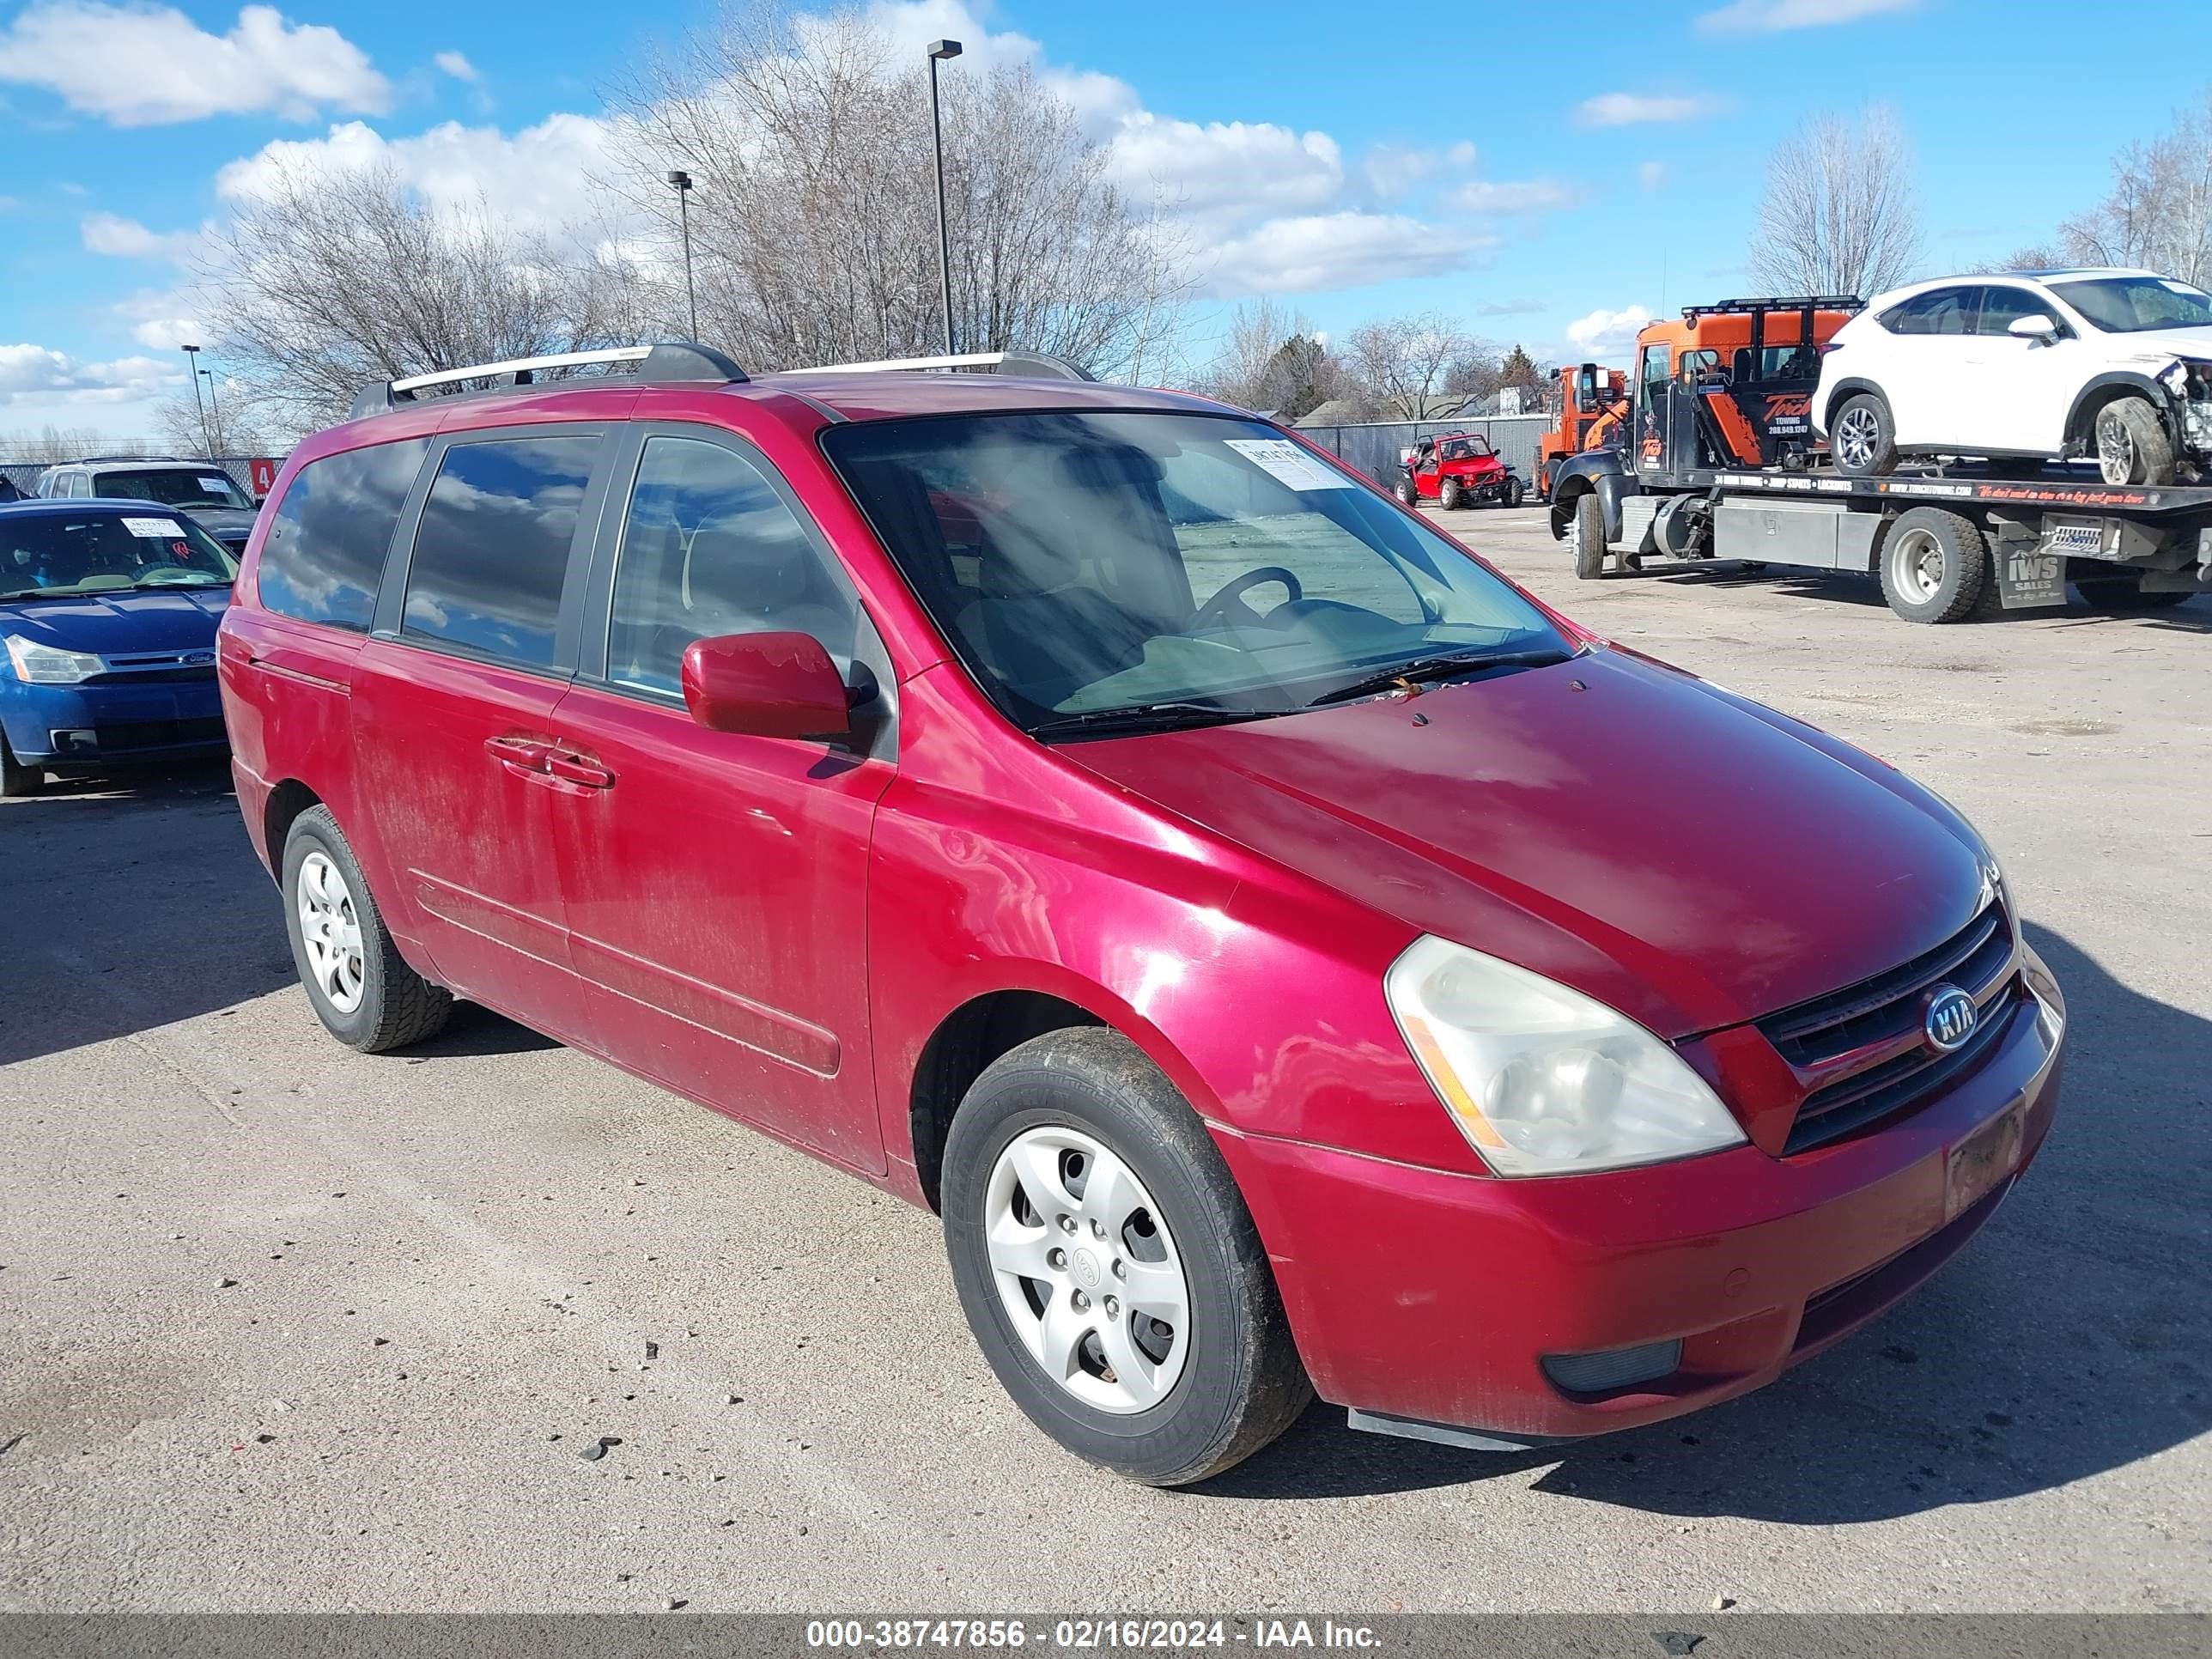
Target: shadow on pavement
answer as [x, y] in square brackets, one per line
[2072, 1338]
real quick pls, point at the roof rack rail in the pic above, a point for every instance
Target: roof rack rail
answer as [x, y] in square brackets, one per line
[1037, 363]
[100, 460]
[1785, 302]
[670, 363]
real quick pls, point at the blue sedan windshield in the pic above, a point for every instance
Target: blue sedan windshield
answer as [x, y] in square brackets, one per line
[65, 554]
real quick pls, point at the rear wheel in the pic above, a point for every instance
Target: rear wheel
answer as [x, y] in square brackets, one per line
[1448, 496]
[362, 989]
[1933, 566]
[1108, 1267]
[1587, 535]
[1862, 439]
[2132, 444]
[17, 779]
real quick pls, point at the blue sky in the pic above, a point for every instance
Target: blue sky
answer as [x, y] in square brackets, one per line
[1536, 171]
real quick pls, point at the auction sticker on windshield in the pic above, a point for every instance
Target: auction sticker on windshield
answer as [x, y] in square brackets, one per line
[154, 529]
[214, 486]
[1288, 463]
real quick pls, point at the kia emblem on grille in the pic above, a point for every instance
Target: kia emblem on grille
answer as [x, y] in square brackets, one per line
[1951, 1018]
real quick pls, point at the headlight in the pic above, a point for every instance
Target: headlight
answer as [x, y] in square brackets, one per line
[1541, 1080]
[42, 664]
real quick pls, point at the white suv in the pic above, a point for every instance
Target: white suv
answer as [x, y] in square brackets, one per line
[2027, 365]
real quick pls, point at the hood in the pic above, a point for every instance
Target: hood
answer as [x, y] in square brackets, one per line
[2158, 344]
[1682, 855]
[225, 524]
[118, 624]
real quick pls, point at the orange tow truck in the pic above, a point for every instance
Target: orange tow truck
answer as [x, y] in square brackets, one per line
[1593, 412]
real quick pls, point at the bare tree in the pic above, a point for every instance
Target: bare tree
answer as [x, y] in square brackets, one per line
[1839, 215]
[328, 279]
[1404, 361]
[52, 444]
[2159, 211]
[812, 221]
[1271, 359]
[223, 425]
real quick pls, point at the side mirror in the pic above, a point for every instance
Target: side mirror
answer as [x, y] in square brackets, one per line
[2034, 326]
[766, 685]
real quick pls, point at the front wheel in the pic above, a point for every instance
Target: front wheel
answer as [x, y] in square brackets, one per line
[1448, 496]
[17, 779]
[1587, 532]
[2132, 444]
[1933, 566]
[361, 988]
[1407, 493]
[1511, 494]
[1108, 1267]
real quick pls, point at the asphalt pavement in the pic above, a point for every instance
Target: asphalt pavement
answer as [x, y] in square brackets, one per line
[289, 1328]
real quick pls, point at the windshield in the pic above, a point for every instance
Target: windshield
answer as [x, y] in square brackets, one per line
[2131, 305]
[59, 555]
[1086, 564]
[1465, 449]
[174, 486]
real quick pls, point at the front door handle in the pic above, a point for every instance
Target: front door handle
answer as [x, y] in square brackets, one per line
[524, 757]
[576, 769]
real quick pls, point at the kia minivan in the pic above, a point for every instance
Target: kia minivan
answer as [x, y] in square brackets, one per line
[1289, 958]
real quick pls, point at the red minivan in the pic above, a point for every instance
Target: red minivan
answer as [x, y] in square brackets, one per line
[1290, 958]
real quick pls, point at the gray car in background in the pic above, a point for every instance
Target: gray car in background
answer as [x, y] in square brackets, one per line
[201, 490]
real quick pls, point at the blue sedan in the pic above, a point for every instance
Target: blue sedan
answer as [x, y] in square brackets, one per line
[108, 612]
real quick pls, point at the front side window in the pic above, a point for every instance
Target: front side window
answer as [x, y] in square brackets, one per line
[198, 487]
[2131, 304]
[491, 555]
[1200, 567]
[710, 548]
[59, 555]
[2003, 306]
[322, 558]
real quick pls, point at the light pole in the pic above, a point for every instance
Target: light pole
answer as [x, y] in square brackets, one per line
[939, 51]
[681, 180]
[192, 356]
[215, 407]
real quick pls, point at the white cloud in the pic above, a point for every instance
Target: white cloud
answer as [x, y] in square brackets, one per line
[455, 64]
[1651, 175]
[140, 65]
[1501, 196]
[1238, 168]
[126, 239]
[1764, 16]
[1391, 170]
[1461, 154]
[1628, 109]
[31, 373]
[1318, 252]
[162, 319]
[1509, 308]
[534, 178]
[1608, 333]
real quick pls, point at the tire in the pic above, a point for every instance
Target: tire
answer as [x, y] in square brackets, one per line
[2132, 444]
[17, 779]
[1861, 437]
[1448, 496]
[1588, 537]
[361, 988]
[1935, 565]
[1512, 493]
[2123, 595]
[1407, 493]
[1049, 1114]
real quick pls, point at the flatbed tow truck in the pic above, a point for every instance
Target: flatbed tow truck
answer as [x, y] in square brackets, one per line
[1720, 464]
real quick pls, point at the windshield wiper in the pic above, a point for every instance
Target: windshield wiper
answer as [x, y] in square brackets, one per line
[1145, 717]
[1443, 667]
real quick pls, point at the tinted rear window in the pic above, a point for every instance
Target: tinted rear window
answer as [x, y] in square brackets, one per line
[324, 558]
[493, 550]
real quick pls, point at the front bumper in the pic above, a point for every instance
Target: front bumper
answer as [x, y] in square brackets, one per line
[1422, 1295]
[128, 723]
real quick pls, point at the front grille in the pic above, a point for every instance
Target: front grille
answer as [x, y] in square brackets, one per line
[1887, 1010]
[156, 734]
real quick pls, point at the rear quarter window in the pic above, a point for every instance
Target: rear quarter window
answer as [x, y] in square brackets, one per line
[323, 559]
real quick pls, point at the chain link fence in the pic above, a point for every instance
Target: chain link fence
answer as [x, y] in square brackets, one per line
[1373, 446]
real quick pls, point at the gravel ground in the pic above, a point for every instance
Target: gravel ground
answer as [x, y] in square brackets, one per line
[292, 1329]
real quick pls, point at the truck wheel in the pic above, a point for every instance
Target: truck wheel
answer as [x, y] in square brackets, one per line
[1107, 1265]
[17, 779]
[1933, 566]
[2125, 594]
[2132, 444]
[361, 988]
[1448, 496]
[1862, 439]
[1407, 494]
[1588, 535]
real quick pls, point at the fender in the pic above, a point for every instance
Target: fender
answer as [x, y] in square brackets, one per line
[2129, 380]
[1599, 470]
[1844, 389]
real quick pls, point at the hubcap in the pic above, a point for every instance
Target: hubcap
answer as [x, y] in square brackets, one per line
[332, 932]
[1087, 1270]
[2116, 449]
[1856, 435]
[1916, 565]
